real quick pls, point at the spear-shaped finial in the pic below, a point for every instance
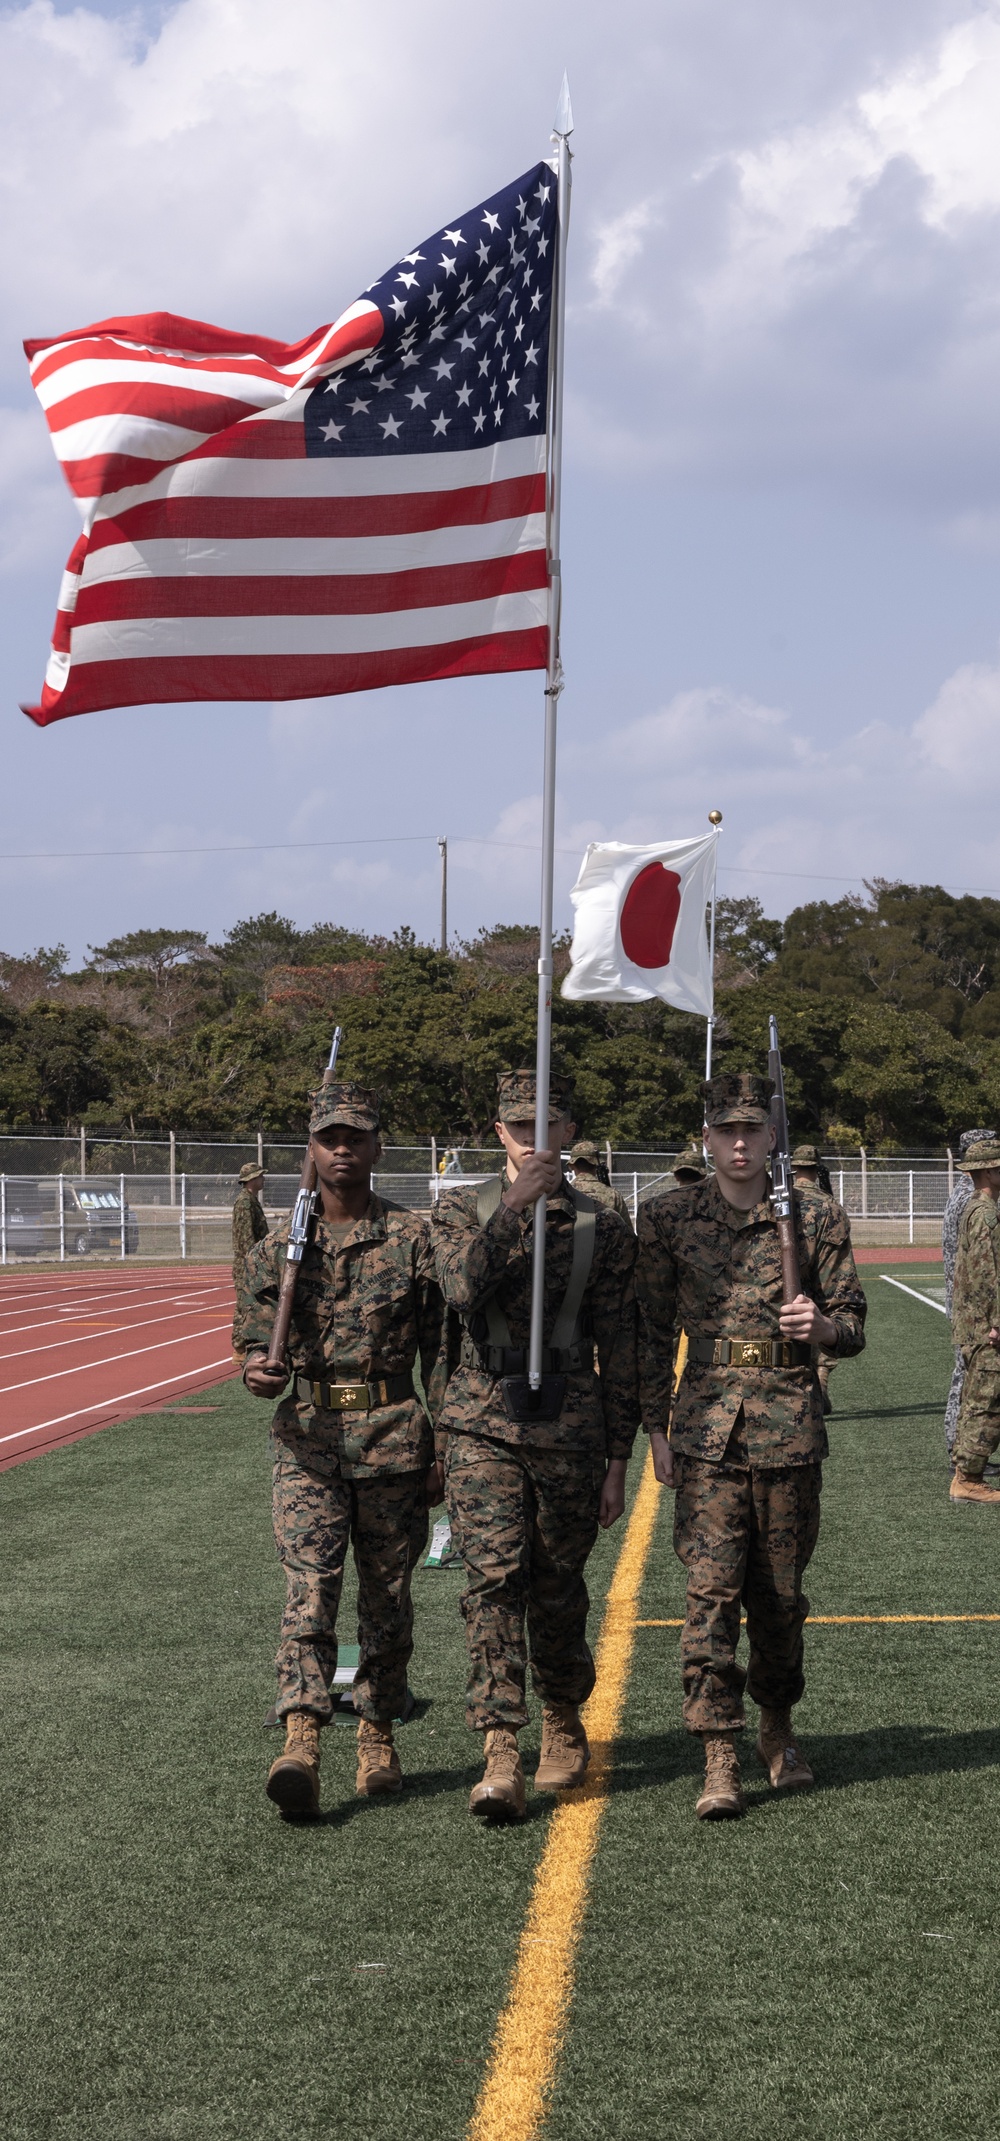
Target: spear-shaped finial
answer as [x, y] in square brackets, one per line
[563, 123]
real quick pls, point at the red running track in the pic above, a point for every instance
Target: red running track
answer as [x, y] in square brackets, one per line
[79, 1350]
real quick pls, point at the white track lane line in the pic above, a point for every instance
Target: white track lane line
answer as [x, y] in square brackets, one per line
[105, 1404]
[86, 1367]
[68, 1297]
[108, 1330]
[47, 1319]
[912, 1291]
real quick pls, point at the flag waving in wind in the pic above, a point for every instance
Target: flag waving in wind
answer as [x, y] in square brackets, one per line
[640, 927]
[366, 507]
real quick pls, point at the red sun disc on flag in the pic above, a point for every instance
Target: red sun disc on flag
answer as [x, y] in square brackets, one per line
[649, 916]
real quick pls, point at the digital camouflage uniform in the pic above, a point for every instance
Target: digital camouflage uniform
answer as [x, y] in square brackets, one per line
[810, 1157]
[249, 1227]
[976, 1311]
[366, 1306]
[523, 1499]
[748, 1441]
[585, 1160]
[963, 1190]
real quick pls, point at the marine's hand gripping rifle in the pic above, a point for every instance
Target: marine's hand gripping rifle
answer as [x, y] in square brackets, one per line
[782, 1191]
[298, 1235]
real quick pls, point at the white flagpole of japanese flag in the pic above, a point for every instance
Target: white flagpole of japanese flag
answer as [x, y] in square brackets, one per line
[640, 925]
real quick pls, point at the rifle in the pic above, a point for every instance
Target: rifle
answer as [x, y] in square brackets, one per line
[298, 1235]
[782, 1190]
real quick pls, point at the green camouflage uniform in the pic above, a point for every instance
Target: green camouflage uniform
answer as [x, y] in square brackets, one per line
[249, 1226]
[590, 1185]
[975, 1311]
[523, 1499]
[366, 1305]
[748, 1442]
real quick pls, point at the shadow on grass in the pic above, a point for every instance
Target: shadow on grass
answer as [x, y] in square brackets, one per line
[893, 1412]
[840, 1759]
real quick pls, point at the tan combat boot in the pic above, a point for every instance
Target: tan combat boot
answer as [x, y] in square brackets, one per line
[782, 1758]
[722, 1793]
[565, 1749]
[293, 1780]
[378, 1763]
[500, 1795]
[971, 1487]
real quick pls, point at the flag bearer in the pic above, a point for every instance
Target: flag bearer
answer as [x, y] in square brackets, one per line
[249, 1226]
[526, 1488]
[354, 1459]
[746, 1432]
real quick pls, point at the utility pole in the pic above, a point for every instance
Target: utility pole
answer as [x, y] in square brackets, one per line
[443, 852]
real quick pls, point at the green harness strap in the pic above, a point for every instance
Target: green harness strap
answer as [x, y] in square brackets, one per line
[584, 1236]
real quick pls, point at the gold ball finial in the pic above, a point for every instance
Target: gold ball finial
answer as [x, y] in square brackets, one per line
[715, 817]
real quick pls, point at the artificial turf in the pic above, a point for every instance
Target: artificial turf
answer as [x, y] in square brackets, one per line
[178, 1962]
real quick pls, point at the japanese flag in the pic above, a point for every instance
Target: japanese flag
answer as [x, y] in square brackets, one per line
[640, 925]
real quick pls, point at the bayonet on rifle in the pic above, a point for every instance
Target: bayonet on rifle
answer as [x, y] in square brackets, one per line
[298, 1234]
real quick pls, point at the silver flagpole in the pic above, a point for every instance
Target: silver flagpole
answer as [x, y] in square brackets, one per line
[553, 685]
[714, 818]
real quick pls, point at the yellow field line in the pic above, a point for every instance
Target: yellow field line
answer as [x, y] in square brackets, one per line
[511, 2102]
[860, 1620]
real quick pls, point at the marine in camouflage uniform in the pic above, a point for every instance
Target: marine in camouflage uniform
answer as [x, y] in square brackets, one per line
[976, 1326]
[352, 1449]
[249, 1227]
[524, 1496]
[963, 1190]
[689, 1167]
[590, 1175]
[746, 1431]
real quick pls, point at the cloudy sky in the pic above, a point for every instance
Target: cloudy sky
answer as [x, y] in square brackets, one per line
[781, 530]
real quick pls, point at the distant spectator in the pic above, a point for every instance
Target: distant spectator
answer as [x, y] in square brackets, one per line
[953, 1210]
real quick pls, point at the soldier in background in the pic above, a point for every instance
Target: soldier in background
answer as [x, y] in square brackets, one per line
[249, 1227]
[746, 1433]
[976, 1325]
[525, 1492]
[689, 1167]
[590, 1175]
[963, 1190]
[809, 1171]
[354, 1454]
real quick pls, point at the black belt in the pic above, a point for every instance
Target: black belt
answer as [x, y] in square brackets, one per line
[513, 1360]
[749, 1353]
[355, 1397]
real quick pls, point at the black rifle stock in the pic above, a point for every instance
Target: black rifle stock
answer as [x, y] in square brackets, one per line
[782, 1190]
[298, 1235]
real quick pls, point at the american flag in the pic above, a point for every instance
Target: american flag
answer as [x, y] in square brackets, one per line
[364, 508]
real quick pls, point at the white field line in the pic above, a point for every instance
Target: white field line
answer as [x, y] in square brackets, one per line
[914, 1295]
[108, 1330]
[105, 1404]
[115, 1298]
[86, 1367]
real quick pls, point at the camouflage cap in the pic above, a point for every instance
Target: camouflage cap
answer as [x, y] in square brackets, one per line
[807, 1156]
[586, 1154]
[974, 1137]
[979, 1157]
[516, 1096]
[251, 1172]
[690, 1162]
[343, 1102]
[737, 1097]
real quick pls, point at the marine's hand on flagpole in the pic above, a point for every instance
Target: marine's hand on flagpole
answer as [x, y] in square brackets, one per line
[539, 1176]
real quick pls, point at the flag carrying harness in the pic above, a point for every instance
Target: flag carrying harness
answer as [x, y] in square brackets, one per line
[567, 1350]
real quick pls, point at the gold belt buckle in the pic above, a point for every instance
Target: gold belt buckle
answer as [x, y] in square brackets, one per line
[343, 1397]
[753, 1350]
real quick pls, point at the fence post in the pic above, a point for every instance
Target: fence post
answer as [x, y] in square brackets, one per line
[840, 1198]
[635, 1200]
[173, 1166]
[83, 1150]
[121, 1201]
[62, 1219]
[3, 1219]
[951, 1172]
[911, 1204]
[260, 1150]
[607, 1155]
[434, 1156]
[864, 1183]
[184, 1231]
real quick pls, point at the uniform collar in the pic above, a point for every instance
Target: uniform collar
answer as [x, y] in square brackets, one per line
[371, 1227]
[759, 1214]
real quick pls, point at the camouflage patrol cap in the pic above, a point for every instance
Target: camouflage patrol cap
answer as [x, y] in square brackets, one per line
[516, 1092]
[979, 1157]
[974, 1137]
[737, 1097]
[251, 1172]
[585, 1153]
[691, 1162]
[343, 1102]
[807, 1156]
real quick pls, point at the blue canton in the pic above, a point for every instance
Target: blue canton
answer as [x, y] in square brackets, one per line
[464, 357]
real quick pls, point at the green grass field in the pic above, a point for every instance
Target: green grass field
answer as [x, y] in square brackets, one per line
[177, 1962]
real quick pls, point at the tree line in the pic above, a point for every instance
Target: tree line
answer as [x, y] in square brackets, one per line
[888, 1004]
